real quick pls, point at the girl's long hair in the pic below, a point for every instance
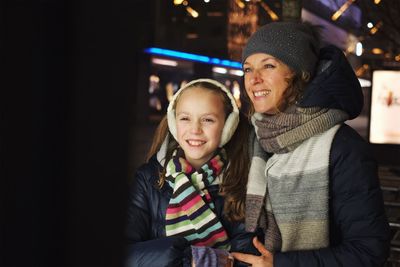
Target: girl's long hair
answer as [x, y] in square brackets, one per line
[234, 178]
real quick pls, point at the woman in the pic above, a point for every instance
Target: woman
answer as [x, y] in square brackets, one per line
[313, 187]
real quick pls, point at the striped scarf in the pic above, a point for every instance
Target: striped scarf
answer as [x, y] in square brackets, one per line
[284, 131]
[287, 192]
[190, 212]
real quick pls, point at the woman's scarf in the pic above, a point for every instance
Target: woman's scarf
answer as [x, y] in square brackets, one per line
[190, 212]
[287, 195]
[283, 132]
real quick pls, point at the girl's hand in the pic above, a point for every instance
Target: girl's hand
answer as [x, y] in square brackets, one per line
[265, 260]
[229, 262]
[206, 257]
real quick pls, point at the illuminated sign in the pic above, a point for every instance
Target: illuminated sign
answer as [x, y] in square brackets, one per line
[385, 107]
[193, 57]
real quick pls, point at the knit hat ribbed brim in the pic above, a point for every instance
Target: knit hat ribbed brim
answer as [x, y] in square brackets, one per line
[295, 44]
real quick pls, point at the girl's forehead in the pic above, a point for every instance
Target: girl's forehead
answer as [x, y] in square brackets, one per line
[199, 91]
[199, 96]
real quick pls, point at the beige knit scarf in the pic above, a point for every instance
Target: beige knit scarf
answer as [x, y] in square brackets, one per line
[284, 131]
[280, 183]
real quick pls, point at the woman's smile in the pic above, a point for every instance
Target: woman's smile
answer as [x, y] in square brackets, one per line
[261, 93]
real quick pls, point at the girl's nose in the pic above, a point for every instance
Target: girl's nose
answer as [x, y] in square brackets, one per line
[195, 127]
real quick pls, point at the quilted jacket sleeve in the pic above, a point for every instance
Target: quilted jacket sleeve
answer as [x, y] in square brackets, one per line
[167, 251]
[242, 241]
[359, 230]
[145, 246]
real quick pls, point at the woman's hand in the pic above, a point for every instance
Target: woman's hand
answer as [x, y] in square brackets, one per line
[265, 260]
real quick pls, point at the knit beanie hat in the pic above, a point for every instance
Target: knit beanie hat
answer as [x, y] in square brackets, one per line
[295, 44]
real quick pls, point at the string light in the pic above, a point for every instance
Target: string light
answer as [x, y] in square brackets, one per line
[377, 51]
[270, 12]
[192, 12]
[376, 27]
[239, 4]
[178, 2]
[361, 70]
[342, 9]
[359, 49]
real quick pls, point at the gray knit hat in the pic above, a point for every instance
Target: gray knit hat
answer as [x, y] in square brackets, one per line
[295, 44]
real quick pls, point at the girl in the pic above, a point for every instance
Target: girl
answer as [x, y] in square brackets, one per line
[198, 159]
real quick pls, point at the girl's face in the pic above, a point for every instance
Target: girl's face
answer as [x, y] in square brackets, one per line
[265, 80]
[200, 119]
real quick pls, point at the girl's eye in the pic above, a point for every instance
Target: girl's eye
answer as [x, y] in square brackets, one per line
[209, 120]
[183, 118]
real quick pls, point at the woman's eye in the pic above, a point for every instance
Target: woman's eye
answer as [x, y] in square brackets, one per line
[246, 70]
[269, 66]
[183, 118]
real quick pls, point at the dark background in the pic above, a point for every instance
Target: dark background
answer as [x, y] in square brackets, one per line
[68, 92]
[70, 104]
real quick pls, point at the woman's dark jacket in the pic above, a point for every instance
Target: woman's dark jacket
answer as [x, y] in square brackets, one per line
[359, 232]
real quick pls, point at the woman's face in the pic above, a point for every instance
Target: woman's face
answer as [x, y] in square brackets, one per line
[265, 80]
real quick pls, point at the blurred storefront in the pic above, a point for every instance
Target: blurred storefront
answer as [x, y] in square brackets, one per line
[204, 38]
[168, 70]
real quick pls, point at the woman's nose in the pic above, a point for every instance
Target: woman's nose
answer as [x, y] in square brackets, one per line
[255, 77]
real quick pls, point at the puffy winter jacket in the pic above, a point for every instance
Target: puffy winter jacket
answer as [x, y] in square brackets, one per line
[148, 246]
[359, 233]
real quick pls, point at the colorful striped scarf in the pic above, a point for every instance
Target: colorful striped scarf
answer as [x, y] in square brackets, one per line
[190, 211]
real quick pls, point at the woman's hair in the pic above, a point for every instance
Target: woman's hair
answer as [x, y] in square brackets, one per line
[235, 173]
[293, 93]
